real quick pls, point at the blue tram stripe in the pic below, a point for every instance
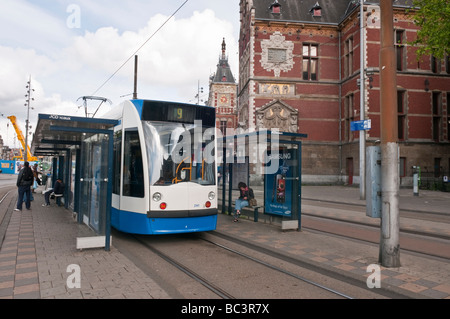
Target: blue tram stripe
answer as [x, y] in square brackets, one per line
[140, 224]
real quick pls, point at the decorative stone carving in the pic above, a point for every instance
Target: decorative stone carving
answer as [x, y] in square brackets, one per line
[277, 54]
[277, 89]
[277, 114]
[243, 118]
[373, 17]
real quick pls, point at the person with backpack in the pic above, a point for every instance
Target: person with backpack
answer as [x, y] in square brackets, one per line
[24, 182]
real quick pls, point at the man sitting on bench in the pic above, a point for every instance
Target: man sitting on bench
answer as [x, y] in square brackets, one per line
[58, 189]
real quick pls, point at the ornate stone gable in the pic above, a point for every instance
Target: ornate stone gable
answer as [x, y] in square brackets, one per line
[277, 114]
[277, 54]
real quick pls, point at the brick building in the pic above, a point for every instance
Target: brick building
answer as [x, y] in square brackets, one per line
[299, 71]
[223, 93]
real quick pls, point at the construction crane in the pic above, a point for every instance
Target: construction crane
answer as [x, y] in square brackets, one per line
[30, 158]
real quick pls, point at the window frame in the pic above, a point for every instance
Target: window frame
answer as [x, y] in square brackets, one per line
[133, 173]
[308, 59]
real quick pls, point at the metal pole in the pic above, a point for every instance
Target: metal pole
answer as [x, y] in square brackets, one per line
[135, 77]
[230, 188]
[389, 241]
[27, 121]
[362, 133]
[109, 193]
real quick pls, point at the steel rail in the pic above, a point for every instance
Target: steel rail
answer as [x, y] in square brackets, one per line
[218, 291]
[277, 269]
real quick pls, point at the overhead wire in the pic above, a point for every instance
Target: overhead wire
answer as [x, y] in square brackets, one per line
[154, 33]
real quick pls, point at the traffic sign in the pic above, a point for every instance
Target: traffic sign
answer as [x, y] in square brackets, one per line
[361, 125]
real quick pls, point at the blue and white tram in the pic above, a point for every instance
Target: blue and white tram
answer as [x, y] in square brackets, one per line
[165, 169]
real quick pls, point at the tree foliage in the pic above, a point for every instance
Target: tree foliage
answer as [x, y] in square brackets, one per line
[433, 18]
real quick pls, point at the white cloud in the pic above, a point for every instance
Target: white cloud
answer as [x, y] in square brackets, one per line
[184, 49]
[26, 25]
[66, 64]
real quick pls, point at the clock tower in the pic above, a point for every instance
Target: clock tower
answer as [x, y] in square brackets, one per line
[223, 94]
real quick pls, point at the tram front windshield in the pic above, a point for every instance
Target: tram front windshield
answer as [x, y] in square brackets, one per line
[179, 153]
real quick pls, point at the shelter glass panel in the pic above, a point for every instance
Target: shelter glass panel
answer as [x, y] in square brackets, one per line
[94, 181]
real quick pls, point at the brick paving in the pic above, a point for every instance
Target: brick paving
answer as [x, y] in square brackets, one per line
[39, 248]
[418, 275]
[18, 266]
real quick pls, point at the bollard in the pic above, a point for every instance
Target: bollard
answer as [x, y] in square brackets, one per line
[416, 184]
[255, 214]
[416, 180]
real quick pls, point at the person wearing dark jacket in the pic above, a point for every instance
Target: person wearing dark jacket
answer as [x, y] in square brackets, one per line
[24, 182]
[242, 201]
[58, 189]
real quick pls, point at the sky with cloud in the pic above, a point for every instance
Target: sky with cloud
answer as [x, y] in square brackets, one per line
[70, 48]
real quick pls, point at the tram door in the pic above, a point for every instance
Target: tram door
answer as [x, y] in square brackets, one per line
[94, 181]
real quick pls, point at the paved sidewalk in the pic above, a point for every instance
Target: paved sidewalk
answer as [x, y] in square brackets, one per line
[40, 245]
[427, 202]
[418, 277]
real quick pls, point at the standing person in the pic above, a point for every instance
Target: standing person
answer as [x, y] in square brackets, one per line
[242, 201]
[36, 178]
[24, 181]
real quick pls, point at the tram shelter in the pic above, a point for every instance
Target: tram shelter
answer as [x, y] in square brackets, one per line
[82, 156]
[270, 163]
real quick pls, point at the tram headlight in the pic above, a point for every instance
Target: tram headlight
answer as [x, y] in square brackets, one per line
[211, 195]
[157, 197]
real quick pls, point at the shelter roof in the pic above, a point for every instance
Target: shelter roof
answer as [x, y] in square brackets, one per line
[57, 133]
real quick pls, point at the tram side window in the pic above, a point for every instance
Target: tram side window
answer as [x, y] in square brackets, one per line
[117, 160]
[133, 173]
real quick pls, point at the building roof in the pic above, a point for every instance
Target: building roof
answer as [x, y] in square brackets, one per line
[223, 73]
[330, 11]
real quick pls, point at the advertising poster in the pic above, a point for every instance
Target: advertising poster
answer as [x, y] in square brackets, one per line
[19, 166]
[278, 186]
[7, 167]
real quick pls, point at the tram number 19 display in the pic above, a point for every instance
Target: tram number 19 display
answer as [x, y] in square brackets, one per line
[182, 114]
[178, 113]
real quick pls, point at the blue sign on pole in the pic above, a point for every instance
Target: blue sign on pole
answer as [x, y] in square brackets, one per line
[361, 125]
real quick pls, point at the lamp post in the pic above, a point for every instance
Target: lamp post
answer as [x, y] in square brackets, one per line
[27, 104]
[390, 221]
[362, 133]
[199, 90]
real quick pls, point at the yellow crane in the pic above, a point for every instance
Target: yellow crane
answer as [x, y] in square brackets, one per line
[30, 158]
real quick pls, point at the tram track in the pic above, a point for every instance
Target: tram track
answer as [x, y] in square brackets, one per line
[189, 272]
[268, 265]
[407, 213]
[222, 292]
[373, 226]
[417, 232]
[360, 287]
[413, 242]
[5, 210]
[318, 283]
